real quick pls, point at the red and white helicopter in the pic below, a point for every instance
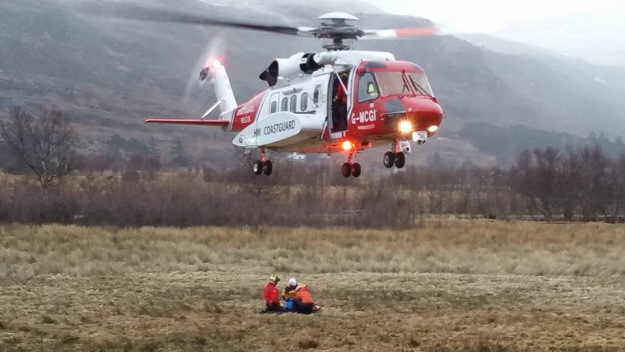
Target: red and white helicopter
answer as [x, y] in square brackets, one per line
[337, 101]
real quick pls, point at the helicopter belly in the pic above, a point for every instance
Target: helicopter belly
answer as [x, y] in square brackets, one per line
[279, 130]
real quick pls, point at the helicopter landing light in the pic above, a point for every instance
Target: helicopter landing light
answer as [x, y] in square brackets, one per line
[347, 146]
[405, 127]
[432, 129]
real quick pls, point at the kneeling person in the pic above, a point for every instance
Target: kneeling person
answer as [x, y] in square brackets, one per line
[272, 296]
[291, 289]
[303, 302]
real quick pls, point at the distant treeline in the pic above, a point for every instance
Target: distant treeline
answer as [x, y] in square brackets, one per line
[545, 184]
[505, 143]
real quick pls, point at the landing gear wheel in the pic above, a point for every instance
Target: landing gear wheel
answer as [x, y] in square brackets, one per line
[389, 159]
[400, 160]
[268, 168]
[258, 168]
[346, 169]
[356, 170]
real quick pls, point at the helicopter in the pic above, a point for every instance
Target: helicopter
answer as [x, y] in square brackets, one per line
[336, 101]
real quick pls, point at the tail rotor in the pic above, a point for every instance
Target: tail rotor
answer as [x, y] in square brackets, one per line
[198, 95]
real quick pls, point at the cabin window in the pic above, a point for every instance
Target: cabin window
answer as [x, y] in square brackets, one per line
[274, 106]
[420, 83]
[367, 89]
[317, 94]
[392, 83]
[293, 104]
[285, 104]
[304, 103]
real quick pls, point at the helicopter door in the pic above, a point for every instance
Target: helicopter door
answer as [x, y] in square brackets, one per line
[338, 106]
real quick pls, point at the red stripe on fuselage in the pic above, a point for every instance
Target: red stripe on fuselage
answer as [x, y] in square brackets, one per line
[246, 114]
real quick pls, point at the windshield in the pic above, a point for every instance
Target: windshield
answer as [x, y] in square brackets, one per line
[392, 83]
[420, 83]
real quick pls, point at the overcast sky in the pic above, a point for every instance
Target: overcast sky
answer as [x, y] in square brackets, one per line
[592, 30]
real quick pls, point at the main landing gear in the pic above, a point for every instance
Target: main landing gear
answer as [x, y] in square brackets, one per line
[397, 157]
[263, 165]
[350, 168]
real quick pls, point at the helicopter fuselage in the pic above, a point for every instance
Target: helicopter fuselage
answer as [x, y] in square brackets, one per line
[386, 102]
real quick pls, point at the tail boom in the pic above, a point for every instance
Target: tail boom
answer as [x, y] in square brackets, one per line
[198, 122]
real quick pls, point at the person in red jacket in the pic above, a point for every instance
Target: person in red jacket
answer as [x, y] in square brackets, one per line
[272, 296]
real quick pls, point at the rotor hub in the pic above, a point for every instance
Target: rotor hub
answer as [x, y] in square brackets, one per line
[338, 30]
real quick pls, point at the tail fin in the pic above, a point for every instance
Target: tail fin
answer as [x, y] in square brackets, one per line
[226, 102]
[218, 76]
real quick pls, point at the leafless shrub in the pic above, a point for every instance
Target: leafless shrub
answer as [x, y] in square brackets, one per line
[45, 143]
[580, 183]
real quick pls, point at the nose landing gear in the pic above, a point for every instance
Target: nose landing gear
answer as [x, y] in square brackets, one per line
[397, 157]
[389, 159]
[350, 168]
[394, 159]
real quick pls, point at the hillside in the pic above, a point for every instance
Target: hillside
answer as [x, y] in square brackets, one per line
[110, 74]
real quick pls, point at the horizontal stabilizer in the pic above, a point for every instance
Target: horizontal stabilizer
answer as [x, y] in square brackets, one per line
[220, 123]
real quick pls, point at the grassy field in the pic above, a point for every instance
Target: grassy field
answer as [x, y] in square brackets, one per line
[445, 285]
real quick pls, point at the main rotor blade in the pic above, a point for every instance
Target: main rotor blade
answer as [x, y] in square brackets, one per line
[373, 34]
[155, 14]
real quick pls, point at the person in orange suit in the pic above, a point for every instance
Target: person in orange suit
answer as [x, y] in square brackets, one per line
[303, 302]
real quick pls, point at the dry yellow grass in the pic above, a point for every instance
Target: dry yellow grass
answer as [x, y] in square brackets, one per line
[446, 285]
[439, 246]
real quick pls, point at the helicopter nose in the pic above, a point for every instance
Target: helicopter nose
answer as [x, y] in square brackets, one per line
[425, 114]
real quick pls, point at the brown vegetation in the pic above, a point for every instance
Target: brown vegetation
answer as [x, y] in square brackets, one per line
[444, 285]
[124, 187]
[580, 184]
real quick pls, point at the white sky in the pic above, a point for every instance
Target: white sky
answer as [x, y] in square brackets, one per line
[486, 15]
[593, 30]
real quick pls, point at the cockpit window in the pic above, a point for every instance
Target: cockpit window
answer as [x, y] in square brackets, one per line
[392, 83]
[367, 89]
[420, 83]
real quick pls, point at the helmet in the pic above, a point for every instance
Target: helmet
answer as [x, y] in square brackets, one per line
[292, 282]
[274, 278]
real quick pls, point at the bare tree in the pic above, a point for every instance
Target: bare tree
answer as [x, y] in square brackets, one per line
[46, 143]
[571, 182]
[616, 181]
[595, 192]
[537, 177]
